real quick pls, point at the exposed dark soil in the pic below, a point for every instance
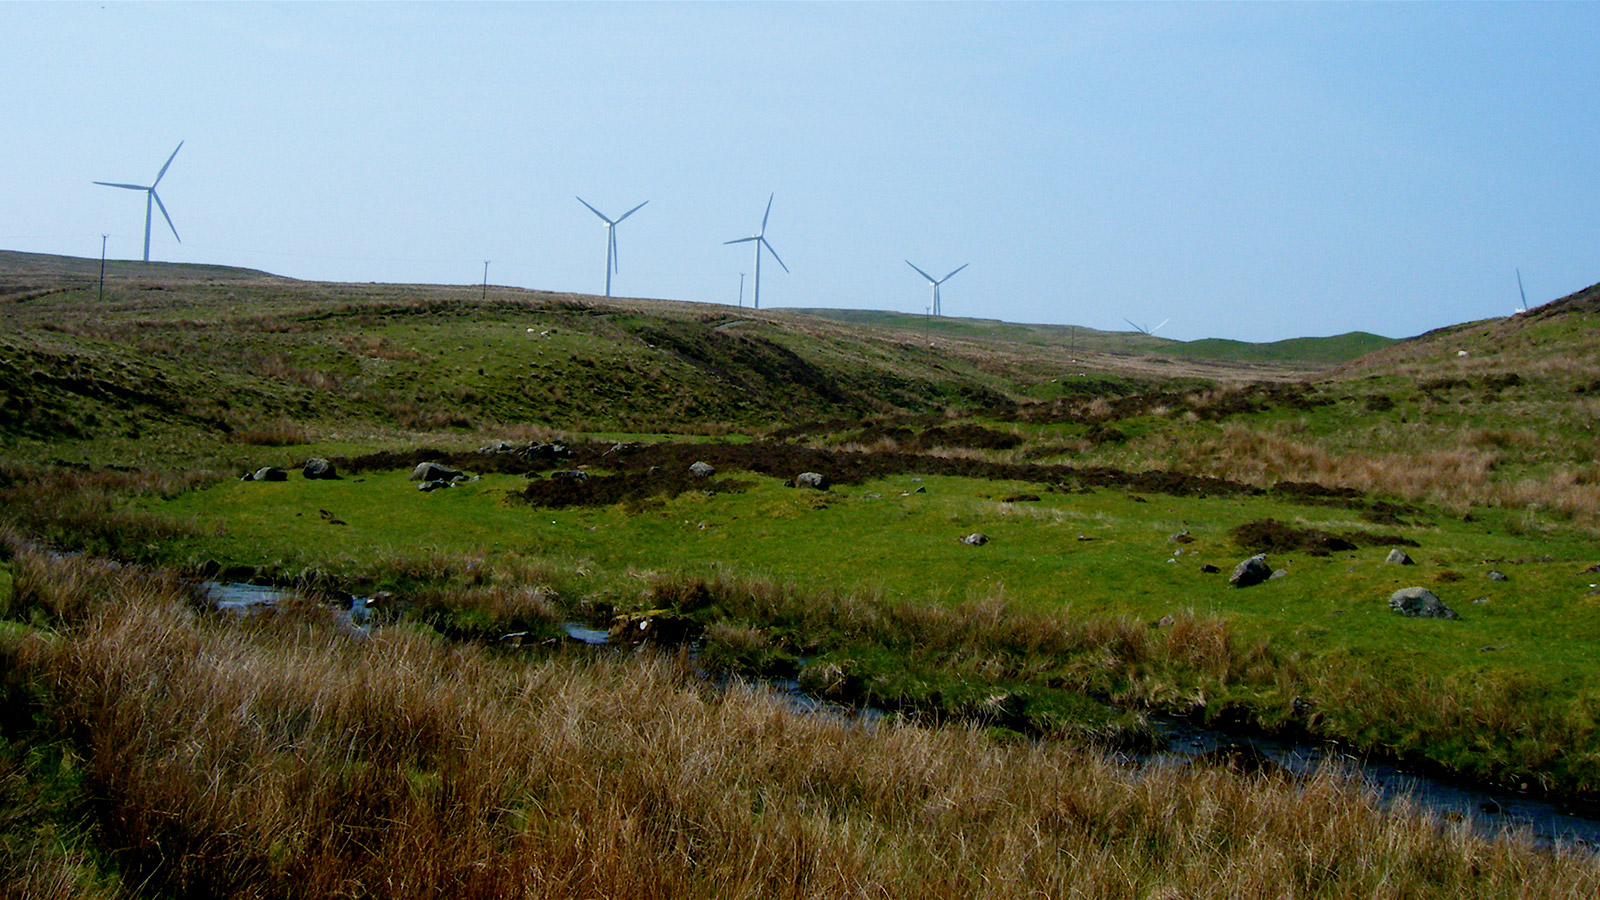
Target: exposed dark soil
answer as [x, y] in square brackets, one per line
[624, 472]
[1272, 536]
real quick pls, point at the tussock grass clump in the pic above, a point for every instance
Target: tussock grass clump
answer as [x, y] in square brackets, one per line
[287, 759]
[81, 508]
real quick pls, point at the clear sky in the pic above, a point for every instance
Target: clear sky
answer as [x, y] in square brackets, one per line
[1251, 171]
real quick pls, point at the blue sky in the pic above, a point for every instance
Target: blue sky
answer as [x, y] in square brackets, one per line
[1251, 171]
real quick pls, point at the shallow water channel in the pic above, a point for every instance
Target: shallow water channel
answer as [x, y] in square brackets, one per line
[1489, 810]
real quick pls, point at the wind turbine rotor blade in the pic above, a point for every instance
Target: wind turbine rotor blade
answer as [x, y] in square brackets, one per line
[631, 211]
[164, 214]
[930, 278]
[767, 215]
[1520, 291]
[164, 167]
[596, 211]
[1135, 326]
[131, 187]
[948, 277]
[1158, 327]
[744, 240]
[773, 252]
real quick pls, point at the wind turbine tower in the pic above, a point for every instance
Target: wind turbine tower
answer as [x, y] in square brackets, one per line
[151, 197]
[760, 239]
[1522, 293]
[611, 237]
[935, 282]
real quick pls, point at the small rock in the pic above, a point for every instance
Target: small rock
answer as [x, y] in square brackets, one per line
[428, 471]
[570, 475]
[920, 490]
[1498, 576]
[976, 539]
[814, 480]
[1398, 557]
[1278, 573]
[1252, 571]
[1419, 602]
[702, 470]
[1481, 600]
[1209, 569]
[1166, 621]
[271, 473]
[1182, 537]
[316, 469]
[429, 486]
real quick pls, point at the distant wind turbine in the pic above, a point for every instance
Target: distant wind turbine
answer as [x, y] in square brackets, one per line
[150, 196]
[1524, 294]
[611, 238]
[760, 239]
[1143, 330]
[935, 282]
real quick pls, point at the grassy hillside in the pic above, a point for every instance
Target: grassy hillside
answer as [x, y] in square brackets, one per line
[459, 742]
[1305, 352]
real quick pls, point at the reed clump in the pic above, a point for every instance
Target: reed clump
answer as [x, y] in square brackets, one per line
[286, 758]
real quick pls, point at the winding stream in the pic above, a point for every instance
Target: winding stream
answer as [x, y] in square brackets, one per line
[1488, 810]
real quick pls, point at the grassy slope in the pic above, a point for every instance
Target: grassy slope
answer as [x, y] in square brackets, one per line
[1305, 351]
[1502, 468]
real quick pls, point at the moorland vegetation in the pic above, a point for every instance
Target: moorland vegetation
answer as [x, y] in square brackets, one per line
[456, 739]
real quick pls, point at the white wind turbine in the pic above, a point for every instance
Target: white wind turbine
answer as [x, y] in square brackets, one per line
[150, 196]
[760, 238]
[1144, 330]
[611, 238]
[936, 282]
[1524, 294]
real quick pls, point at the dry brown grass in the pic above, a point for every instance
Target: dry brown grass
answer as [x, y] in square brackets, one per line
[284, 758]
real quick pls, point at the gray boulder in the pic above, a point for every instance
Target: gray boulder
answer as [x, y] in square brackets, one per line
[976, 539]
[430, 486]
[814, 480]
[317, 468]
[702, 470]
[428, 471]
[1419, 603]
[1252, 571]
[271, 473]
[1398, 557]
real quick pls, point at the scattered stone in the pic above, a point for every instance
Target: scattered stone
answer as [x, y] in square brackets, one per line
[1419, 603]
[1166, 621]
[428, 471]
[318, 469]
[1251, 572]
[872, 496]
[330, 518]
[1398, 557]
[1182, 537]
[813, 480]
[702, 470]
[1209, 569]
[1497, 576]
[1481, 600]
[430, 486]
[570, 475]
[1278, 573]
[1085, 537]
[271, 473]
[1489, 649]
[920, 490]
[976, 539]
